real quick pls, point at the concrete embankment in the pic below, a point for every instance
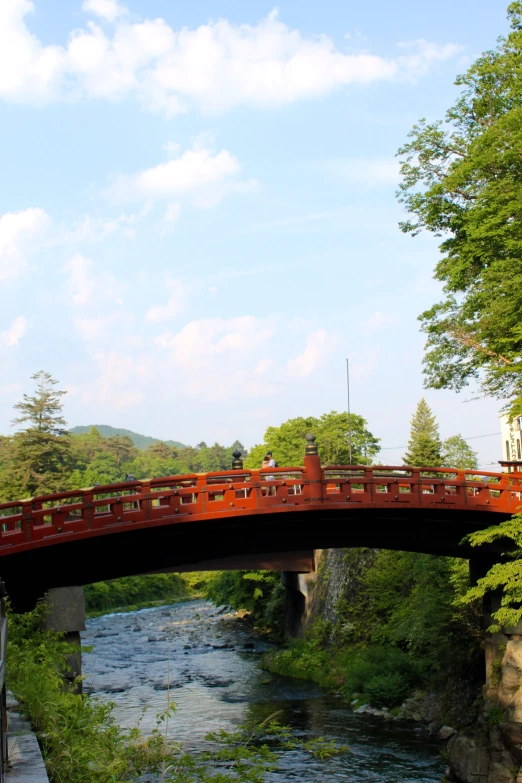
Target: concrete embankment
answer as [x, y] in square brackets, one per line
[26, 764]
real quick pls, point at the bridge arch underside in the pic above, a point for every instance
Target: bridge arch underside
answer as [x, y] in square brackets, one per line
[261, 538]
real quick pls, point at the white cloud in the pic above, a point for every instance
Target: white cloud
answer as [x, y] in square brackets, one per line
[94, 229]
[117, 381]
[168, 222]
[85, 285]
[213, 67]
[376, 322]
[198, 175]
[421, 54]
[14, 334]
[106, 9]
[369, 172]
[199, 342]
[20, 234]
[176, 303]
[318, 346]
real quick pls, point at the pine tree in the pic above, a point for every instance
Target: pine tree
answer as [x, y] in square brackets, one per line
[42, 450]
[424, 446]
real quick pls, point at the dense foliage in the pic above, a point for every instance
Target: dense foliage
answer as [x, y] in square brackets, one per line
[504, 577]
[456, 453]
[260, 593]
[397, 624]
[462, 180]
[133, 592]
[333, 432]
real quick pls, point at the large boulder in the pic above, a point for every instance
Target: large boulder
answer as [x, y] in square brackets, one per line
[468, 759]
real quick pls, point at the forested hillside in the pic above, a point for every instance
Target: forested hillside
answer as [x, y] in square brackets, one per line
[44, 457]
[140, 441]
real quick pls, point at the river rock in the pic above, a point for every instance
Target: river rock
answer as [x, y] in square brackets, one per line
[446, 732]
[512, 737]
[468, 759]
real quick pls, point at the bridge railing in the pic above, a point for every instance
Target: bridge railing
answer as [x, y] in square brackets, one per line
[425, 486]
[82, 511]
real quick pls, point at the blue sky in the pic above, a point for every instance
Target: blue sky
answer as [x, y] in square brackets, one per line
[197, 212]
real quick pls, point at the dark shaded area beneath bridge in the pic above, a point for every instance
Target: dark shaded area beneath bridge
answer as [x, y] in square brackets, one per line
[28, 575]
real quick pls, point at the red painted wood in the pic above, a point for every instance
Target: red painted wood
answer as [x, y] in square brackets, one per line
[43, 521]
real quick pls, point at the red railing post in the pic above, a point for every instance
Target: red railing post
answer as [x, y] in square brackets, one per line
[27, 516]
[314, 489]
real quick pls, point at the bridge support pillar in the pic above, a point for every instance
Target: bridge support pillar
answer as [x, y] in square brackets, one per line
[66, 614]
[298, 601]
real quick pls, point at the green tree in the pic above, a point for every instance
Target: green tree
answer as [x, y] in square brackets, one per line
[259, 592]
[424, 446]
[456, 453]
[41, 453]
[122, 448]
[505, 576]
[287, 442]
[102, 469]
[462, 181]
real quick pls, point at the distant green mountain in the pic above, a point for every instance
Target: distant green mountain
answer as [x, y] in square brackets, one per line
[140, 441]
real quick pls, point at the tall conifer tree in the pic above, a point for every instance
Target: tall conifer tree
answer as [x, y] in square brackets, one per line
[424, 446]
[42, 450]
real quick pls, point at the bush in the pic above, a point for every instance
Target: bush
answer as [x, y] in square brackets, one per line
[258, 592]
[384, 674]
[366, 664]
[387, 690]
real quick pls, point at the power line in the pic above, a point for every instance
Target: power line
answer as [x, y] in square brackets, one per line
[472, 437]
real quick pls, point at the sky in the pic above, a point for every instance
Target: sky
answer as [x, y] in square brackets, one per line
[198, 222]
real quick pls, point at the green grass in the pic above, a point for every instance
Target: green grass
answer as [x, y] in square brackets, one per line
[383, 676]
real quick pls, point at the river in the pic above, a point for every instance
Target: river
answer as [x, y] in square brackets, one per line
[211, 660]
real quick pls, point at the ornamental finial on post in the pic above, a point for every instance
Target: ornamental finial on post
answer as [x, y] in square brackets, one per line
[311, 445]
[237, 463]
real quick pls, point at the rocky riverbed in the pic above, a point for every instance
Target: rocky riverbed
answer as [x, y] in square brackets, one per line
[210, 659]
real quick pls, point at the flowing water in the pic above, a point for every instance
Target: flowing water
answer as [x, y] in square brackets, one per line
[211, 661]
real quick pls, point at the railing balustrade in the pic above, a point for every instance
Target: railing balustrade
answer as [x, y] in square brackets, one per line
[78, 513]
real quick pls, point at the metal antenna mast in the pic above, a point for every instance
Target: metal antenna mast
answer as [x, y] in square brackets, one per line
[349, 415]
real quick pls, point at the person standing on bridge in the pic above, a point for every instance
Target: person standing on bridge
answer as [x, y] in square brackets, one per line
[269, 462]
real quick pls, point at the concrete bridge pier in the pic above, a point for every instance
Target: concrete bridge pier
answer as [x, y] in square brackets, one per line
[66, 614]
[298, 601]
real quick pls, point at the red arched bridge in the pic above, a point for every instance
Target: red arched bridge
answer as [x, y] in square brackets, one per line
[273, 518]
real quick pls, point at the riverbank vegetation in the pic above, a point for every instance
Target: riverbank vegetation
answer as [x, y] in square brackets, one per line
[388, 624]
[260, 593]
[140, 592]
[382, 624]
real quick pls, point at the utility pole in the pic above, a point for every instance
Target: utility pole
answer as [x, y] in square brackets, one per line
[349, 415]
